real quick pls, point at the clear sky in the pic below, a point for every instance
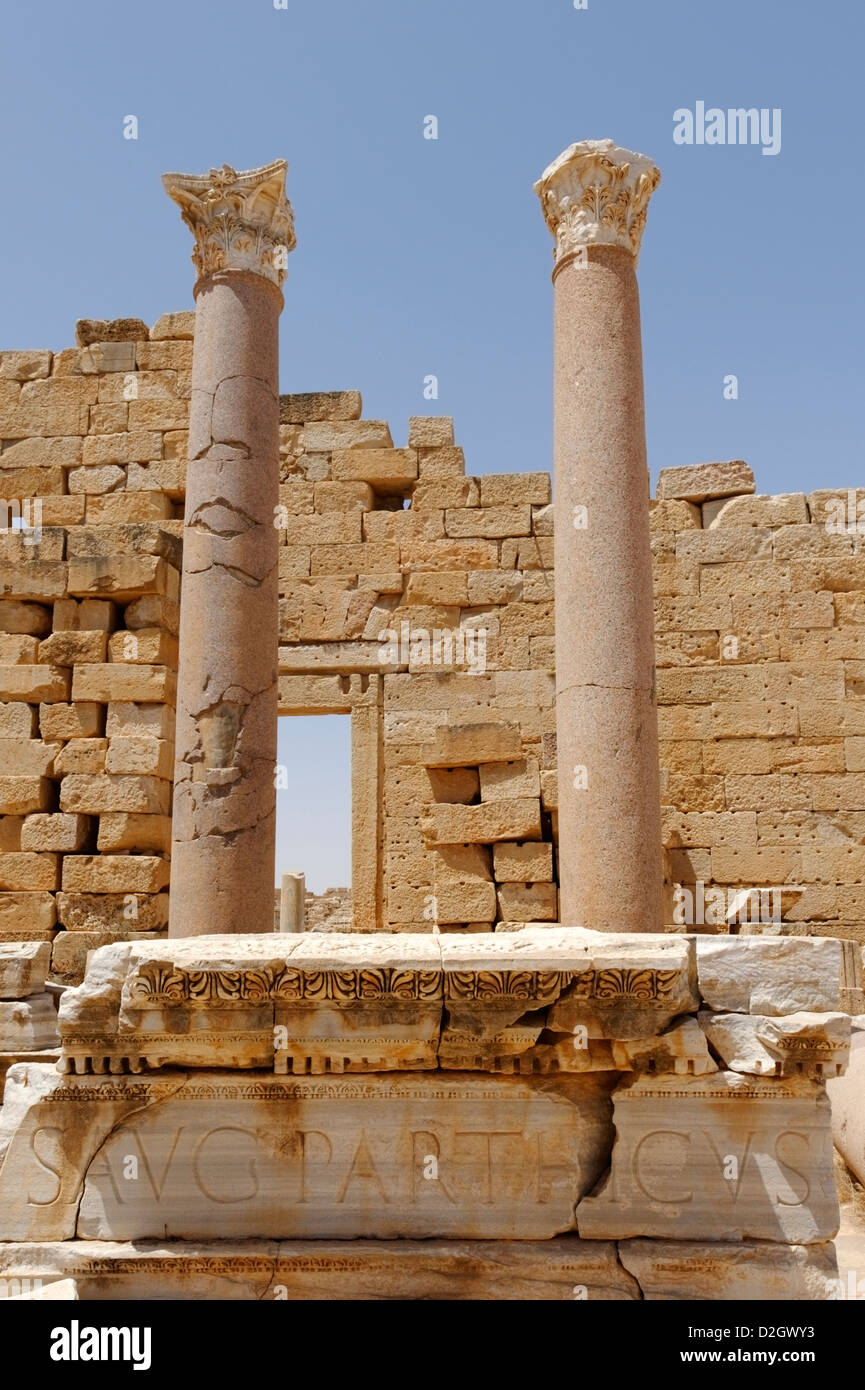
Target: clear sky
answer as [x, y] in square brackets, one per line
[420, 257]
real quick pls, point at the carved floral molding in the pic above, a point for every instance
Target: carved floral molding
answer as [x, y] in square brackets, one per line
[156, 984]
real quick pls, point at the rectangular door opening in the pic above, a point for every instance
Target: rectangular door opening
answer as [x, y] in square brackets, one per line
[313, 817]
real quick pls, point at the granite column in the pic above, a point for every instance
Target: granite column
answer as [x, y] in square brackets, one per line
[594, 198]
[224, 817]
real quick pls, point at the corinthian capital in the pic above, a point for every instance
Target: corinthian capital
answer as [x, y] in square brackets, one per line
[597, 194]
[240, 220]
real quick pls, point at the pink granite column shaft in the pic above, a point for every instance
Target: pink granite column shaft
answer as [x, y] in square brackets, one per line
[609, 802]
[224, 819]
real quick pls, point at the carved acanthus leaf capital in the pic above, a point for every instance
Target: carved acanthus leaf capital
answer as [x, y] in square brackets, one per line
[240, 220]
[596, 193]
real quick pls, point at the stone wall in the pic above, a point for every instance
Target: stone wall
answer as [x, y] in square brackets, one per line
[419, 600]
[760, 635]
[92, 458]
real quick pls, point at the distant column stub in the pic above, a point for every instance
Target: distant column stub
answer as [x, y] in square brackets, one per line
[241, 220]
[596, 194]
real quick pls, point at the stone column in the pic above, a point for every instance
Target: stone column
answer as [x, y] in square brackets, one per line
[595, 198]
[224, 825]
[292, 902]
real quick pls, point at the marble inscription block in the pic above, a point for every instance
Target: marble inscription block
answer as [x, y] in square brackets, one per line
[213, 1155]
[49, 1132]
[722, 1157]
[389, 1156]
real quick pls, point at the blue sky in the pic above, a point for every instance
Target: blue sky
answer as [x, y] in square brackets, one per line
[420, 257]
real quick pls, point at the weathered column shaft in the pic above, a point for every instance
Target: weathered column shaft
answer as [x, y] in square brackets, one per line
[292, 902]
[594, 198]
[224, 820]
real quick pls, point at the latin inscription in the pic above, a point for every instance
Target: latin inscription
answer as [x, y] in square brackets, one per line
[227, 1164]
[343, 1159]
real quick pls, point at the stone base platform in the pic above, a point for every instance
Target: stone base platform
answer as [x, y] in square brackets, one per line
[554, 1115]
[563, 1269]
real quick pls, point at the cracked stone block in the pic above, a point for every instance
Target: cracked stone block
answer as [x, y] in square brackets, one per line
[698, 482]
[722, 1157]
[23, 967]
[813, 1044]
[297, 1157]
[681, 1049]
[28, 1025]
[27, 916]
[89, 331]
[574, 985]
[776, 975]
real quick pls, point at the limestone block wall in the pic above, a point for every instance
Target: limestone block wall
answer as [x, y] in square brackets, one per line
[92, 449]
[418, 600]
[760, 636]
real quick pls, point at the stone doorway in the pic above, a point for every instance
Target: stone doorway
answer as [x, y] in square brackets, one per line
[359, 697]
[314, 813]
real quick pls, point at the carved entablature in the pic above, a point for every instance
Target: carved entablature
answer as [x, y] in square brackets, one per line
[376, 1003]
[597, 194]
[537, 999]
[240, 220]
[155, 984]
